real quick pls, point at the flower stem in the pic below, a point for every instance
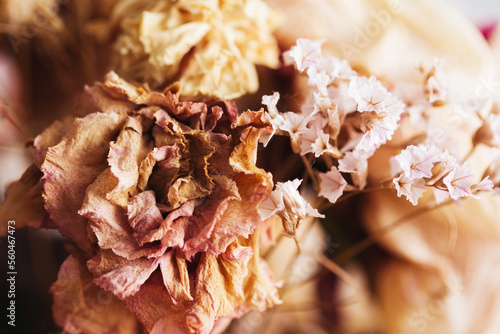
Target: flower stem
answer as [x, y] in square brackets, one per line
[374, 237]
[346, 197]
[310, 171]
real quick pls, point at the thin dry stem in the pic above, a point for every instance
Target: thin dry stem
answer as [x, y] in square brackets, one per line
[310, 171]
[338, 271]
[376, 236]
[346, 197]
[453, 235]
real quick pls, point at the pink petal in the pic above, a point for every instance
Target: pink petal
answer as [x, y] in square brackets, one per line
[71, 166]
[332, 185]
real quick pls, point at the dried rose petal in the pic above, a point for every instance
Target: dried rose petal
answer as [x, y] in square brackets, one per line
[82, 307]
[162, 196]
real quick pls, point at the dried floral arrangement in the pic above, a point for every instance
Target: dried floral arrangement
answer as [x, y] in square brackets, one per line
[234, 173]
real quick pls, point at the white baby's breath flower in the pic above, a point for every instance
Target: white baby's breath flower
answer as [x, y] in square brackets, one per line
[322, 82]
[413, 189]
[440, 195]
[322, 144]
[435, 86]
[289, 205]
[308, 138]
[270, 101]
[489, 132]
[436, 91]
[485, 185]
[370, 94]
[356, 163]
[295, 124]
[304, 54]
[322, 103]
[275, 122]
[340, 97]
[352, 162]
[332, 66]
[459, 181]
[272, 205]
[416, 161]
[379, 126]
[381, 131]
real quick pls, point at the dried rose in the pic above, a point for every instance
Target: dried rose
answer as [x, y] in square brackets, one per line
[211, 47]
[150, 182]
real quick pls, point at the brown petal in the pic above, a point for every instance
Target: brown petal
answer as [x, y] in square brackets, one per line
[120, 88]
[82, 307]
[124, 158]
[173, 229]
[167, 170]
[121, 276]
[72, 165]
[50, 137]
[253, 118]
[175, 276]
[109, 221]
[95, 98]
[154, 309]
[23, 194]
[260, 289]
[143, 214]
[219, 289]
[205, 232]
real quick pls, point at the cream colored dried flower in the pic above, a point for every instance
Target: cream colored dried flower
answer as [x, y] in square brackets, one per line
[212, 47]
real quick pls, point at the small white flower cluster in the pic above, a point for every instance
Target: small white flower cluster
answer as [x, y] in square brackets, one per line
[346, 117]
[422, 166]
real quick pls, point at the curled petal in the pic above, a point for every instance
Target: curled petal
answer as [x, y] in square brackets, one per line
[332, 185]
[143, 215]
[175, 276]
[82, 307]
[71, 166]
[121, 276]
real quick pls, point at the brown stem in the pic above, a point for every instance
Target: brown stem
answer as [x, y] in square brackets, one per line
[374, 237]
[310, 171]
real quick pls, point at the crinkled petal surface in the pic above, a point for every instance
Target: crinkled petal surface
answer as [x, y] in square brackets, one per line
[162, 196]
[71, 166]
[82, 307]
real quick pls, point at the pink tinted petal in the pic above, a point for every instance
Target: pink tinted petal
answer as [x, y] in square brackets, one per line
[143, 214]
[459, 181]
[271, 205]
[71, 166]
[82, 307]
[203, 237]
[121, 276]
[22, 194]
[109, 221]
[485, 185]
[332, 185]
[175, 276]
[412, 189]
[171, 229]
